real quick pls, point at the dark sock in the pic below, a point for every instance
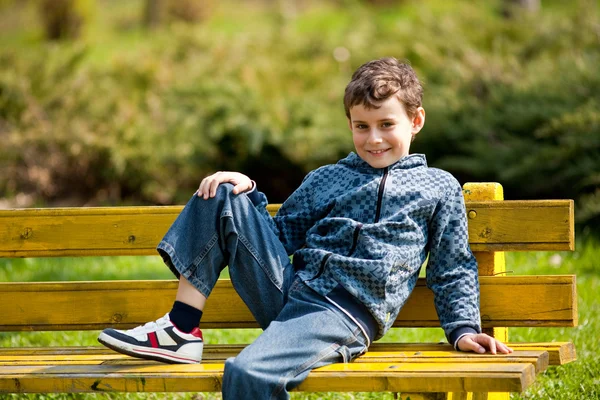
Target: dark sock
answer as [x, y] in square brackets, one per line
[184, 316]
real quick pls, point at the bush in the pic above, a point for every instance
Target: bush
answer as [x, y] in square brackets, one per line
[533, 128]
[511, 101]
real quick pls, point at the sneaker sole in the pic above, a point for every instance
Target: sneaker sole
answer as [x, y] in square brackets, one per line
[146, 353]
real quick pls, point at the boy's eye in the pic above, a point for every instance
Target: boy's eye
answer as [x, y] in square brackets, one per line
[387, 124]
[361, 126]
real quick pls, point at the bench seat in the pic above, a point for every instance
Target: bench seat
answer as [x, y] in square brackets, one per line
[559, 353]
[403, 369]
[46, 370]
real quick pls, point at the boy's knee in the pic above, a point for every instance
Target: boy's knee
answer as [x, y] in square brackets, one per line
[236, 377]
[236, 369]
[225, 189]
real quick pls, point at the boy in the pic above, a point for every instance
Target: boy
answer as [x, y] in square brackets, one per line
[359, 231]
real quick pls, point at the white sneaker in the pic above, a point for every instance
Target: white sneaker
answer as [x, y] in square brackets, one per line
[159, 340]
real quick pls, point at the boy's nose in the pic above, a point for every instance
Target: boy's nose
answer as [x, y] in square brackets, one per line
[375, 136]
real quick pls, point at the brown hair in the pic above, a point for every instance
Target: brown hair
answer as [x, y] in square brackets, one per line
[378, 80]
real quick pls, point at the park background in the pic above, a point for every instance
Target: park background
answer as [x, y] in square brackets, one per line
[106, 102]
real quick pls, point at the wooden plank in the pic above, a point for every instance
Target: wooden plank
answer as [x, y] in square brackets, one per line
[533, 301]
[511, 225]
[493, 226]
[379, 377]
[538, 358]
[84, 231]
[559, 353]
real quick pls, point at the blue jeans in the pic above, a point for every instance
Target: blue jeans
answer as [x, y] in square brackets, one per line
[302, 330]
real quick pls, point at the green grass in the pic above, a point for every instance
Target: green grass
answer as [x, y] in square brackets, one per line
[580, 379]
[577, 380]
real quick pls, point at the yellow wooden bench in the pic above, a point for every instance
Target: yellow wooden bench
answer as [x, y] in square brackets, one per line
[416, 370]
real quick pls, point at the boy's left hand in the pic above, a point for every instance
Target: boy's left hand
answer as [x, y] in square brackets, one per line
[480, 343]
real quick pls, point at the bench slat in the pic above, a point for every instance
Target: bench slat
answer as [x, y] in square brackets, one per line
[538, 358]
[107, 231]
[559, 352]
[533, 301]
[521, 225]
[155, 377]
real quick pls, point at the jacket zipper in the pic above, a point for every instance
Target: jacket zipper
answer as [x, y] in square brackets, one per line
[380, 194]
[358, 228]
[355, 239]
[321, 268]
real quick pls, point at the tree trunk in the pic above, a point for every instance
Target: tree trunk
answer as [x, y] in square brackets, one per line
[61, 19]
[154, 13]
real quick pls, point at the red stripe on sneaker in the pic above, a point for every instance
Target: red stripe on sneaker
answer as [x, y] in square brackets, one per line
[153, 340]
[166, 356]
[197, 332]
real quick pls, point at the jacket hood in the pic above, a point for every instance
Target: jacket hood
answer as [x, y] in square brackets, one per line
[410, 161]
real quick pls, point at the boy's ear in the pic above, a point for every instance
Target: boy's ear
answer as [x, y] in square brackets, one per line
[418, 120]
[349, 123]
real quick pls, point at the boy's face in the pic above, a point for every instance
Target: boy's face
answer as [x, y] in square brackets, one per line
[383, 135]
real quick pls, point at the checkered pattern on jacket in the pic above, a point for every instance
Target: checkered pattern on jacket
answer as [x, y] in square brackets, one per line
[329, 221]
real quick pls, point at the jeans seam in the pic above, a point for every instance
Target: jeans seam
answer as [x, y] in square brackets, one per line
[351, 325]
[334, 347]
[205, 250]
[303, 367]
[358, 329]
[185, 272]
[246, 243]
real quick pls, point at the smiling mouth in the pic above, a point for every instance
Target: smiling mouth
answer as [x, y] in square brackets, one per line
[377, 152]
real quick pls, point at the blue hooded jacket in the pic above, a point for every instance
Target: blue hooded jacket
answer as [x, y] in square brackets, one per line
[369, 230]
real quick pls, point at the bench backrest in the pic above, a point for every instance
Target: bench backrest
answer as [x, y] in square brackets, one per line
[507, 225]
[494, 227]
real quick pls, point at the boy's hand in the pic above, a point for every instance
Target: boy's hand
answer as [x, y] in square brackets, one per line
[480, 343]
[208, 186]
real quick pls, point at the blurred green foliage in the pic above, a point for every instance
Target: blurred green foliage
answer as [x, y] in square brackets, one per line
[64, 19]
[128, 116]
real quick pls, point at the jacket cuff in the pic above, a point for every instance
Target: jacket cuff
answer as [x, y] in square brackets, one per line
[458, 333]
[254, 195]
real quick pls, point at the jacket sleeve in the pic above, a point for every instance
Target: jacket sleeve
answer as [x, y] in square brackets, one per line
[452, 269]
[296, 215]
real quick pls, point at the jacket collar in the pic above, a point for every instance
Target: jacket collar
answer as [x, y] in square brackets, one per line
[407, 162]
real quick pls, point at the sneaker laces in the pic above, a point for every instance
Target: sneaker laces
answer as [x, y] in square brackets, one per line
[151, 326]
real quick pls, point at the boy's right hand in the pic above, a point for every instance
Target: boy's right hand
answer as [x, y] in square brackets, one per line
[208, 186]
[481, 342]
